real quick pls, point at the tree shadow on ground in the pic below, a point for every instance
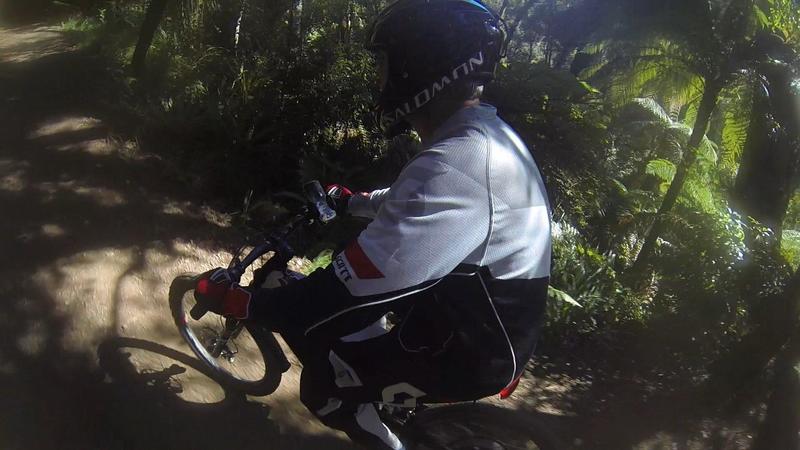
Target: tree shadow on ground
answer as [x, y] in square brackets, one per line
[637, 394]
[76, 208]
[151, 415]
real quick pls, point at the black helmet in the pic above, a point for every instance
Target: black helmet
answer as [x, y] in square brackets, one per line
[430, 45]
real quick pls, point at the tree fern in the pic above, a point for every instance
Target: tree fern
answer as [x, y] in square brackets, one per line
[707, 149]
[699, 191]
[674, 132]
[652, 68]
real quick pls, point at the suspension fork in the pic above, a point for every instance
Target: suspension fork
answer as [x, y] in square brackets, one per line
[232, 329]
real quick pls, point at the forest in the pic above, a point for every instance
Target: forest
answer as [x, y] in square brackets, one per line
[668, 133]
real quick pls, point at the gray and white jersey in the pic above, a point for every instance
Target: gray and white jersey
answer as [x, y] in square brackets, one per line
[473, 196]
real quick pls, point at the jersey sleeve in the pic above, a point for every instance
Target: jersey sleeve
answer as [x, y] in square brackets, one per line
[367, 204]
[433, 217]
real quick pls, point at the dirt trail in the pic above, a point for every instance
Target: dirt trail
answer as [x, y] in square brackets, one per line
[92, 232]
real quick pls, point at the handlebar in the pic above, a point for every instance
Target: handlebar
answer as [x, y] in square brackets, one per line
[316, 209]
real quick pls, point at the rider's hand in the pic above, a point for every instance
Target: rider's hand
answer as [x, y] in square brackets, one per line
[339, 197]
[216, 292]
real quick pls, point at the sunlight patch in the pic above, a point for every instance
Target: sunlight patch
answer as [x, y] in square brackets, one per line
[124, 292]
[183, 208]
[12, 182]
[52, 230]
[45, 231]
[12, 175]
[119, 290]
[99, 147]
[217, 218]
[7, 368]
[83, 289]
[33, 341]
[102, 196]
[18, 46]
[173, 208]
[65, 125]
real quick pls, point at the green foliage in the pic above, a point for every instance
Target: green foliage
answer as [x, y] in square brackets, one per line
[790, 247]
[322, 260]
[734, 132]
[565, 125]
[650, 143]
[792, 219]
[663, 169]
[659, 68]
[669, 132]
[108, 30]
[701, 260]
[79, 24]
[249, 109]
[587, 296]
[782, 19]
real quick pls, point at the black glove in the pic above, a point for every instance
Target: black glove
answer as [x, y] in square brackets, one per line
[338, 196]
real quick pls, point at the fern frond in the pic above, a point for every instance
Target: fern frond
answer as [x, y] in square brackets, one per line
[736, 124]
[654, 109]
[734, 135]
[700, 195]
[662, 169]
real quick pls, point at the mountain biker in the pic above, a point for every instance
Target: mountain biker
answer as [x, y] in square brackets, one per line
[458, 248]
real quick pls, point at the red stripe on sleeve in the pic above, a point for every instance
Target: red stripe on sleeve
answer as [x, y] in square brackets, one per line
[361, 264]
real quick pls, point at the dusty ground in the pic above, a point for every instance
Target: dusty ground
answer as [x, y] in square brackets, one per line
[93, 230]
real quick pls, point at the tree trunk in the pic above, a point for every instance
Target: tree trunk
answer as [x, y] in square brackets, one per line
[503, 7]
[782, 422]
[522, 13]
[274, 10]
[775, 318]
[767, 175]
[707, 105]
[294, 22]
[152, 18]
[224, 24]
[238, 31]
[768, 172]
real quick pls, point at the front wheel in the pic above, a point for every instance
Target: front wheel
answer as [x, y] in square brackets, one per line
[480, 427]
[240, 354]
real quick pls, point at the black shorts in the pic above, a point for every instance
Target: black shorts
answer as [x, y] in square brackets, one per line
[463, 337]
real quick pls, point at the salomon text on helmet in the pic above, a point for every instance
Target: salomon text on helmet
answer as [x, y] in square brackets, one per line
[430, 45]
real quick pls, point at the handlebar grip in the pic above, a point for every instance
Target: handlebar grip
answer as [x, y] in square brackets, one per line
[197, 312]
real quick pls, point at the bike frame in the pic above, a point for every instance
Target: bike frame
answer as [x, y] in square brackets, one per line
[317, 210]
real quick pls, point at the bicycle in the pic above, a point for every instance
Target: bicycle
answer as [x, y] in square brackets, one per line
[221, 344]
